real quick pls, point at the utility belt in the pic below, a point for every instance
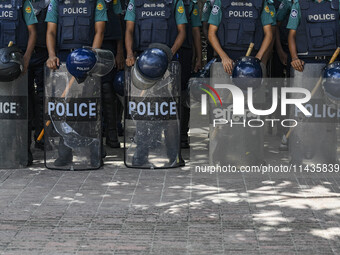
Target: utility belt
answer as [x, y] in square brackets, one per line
[315, 59]
[235, 54]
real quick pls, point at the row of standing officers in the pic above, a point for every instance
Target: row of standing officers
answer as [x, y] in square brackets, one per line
[47, 31]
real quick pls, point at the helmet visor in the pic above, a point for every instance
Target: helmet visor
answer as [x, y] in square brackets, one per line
[104, 64]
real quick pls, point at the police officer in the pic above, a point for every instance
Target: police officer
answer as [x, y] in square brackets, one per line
[72, 24]
[237, 24]
[313, 38]
[167, 19]
[17, 21]
[124, 4]
[205, 26]
[281, 57]
[281, 40]
[174, 34]
[36, 70]
[193, 38]
[18, 25]
[113, 42]
[314, 31]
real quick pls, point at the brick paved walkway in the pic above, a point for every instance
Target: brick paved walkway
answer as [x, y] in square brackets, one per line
[127, 211]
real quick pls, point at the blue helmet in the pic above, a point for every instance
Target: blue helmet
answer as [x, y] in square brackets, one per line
[205, 72]
[151, 66]
[80, 62]
[331, 83]
[118, 83]
[247, 73]
[195, 86]
[11, 63]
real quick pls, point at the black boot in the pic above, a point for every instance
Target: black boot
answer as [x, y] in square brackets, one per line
[29, 141]
[96, 154]
[284, 144]
[65, 154]
[30, 118]
[172, 146]
[120, 110]
[185, 116]
[30, 158]
[110, 115]
[140, 158]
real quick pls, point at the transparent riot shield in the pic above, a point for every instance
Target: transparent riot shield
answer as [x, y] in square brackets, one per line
[234, 140]
[13, 123]
[313, 140]
[198, 123]
[152, 122]
[72, 121]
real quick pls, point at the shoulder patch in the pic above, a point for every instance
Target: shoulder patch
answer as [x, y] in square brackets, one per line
[28, 9]
[50, 7]
[100, 7]
[267, 9]
[130, 7]
[205, 8]
[115, 2]
[272, 14]
[180, 9]
[195, 12]
[215, 10]
[294, 13]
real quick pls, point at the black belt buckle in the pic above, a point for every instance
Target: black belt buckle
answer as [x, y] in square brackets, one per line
[320, 57]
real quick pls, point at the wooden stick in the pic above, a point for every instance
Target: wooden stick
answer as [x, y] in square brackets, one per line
[67, 89]
[251, 46]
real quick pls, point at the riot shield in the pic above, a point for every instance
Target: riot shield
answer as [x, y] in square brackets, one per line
[233, 141]
[152, 122]
[72, 121]
[313, 140]
[13, 123]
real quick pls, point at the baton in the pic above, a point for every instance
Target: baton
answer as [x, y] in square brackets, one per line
[318, 84]
[251, 46]
[68, 87]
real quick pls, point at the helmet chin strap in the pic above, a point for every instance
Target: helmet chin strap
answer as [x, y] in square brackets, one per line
[81, 79]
